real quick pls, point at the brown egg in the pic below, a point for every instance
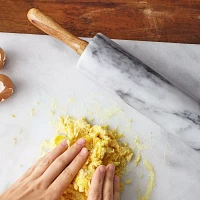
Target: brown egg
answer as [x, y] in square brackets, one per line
[6, 87]
[2, 58]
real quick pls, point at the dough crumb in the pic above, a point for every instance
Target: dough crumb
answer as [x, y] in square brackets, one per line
[128, 181]
[52, 112]
[137, 141]
[70, 100]
[15, 141]
[137, 160]
[91, 119]
[21, 131]
[33, 111]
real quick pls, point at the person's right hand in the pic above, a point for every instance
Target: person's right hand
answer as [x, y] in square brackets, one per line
[105, 185]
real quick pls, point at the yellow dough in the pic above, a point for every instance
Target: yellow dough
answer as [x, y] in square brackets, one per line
[104, 148]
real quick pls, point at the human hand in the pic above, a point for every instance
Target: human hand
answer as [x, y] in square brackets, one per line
[51, 175]
[105, 185]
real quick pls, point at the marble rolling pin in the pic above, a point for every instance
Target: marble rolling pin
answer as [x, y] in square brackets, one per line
[138, 85]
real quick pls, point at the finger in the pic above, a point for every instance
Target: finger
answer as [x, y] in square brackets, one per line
[62, 162]
[66, 177]
[48, 159]
[116, 193]
[96, 188]
[109, 182]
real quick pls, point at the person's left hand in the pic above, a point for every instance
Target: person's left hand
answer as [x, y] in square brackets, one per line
[51, 175]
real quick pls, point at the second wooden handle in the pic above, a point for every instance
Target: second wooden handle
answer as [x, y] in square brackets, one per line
[51, 27]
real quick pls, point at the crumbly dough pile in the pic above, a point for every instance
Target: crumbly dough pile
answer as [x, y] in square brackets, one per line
[104, 148]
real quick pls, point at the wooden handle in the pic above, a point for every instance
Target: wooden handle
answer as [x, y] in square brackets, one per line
[51, 27]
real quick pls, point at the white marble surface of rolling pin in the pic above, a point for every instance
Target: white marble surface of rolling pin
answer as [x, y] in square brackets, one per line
[143, 89]
[43, 69]
[177, 62]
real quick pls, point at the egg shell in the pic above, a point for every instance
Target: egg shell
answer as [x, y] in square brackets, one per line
[2, 58]
[6, 87]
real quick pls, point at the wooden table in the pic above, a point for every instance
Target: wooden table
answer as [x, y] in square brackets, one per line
[154, 20]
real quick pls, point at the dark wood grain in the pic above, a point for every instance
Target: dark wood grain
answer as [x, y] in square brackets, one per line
[154, 20]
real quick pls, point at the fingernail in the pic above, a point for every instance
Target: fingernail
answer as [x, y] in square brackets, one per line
[83, 151]
[81, 141]
[112, 168]
[102, 169]
[116, 179]
[64, 143]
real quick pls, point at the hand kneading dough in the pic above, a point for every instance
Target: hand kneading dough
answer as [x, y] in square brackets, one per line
[104, 148]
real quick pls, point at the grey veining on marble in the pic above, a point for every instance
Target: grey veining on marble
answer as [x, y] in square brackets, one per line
[142, 88]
